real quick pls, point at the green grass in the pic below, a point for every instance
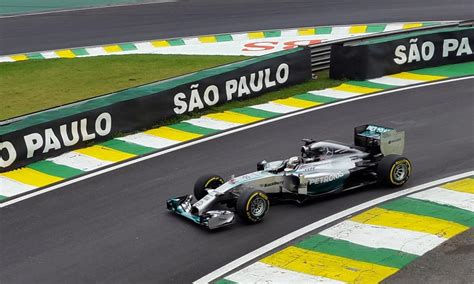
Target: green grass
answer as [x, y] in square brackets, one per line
[35, 85]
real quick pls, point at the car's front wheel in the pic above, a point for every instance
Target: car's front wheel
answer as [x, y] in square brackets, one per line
[394, 170]
[252, 205]
[205, 182]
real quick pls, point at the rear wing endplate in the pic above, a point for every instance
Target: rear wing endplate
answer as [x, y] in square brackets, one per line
[379, 139]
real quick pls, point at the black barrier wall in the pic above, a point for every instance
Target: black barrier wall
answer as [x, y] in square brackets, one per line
[59, 130]
[380, 57]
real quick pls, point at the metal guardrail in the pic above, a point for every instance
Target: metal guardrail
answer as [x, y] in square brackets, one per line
[321, 53]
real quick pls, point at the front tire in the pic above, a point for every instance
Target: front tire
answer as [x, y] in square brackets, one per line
[205, 182]
[394, 170]
[252, 205]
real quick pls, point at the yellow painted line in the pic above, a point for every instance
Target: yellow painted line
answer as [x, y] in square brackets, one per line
[329, 266]
[19, 57]
[412, 222]
[112, 48]
[65, 53]
[355, 89]
[412, 25]
[306, 32]
[31, 177]
[464, 185]
[160, 43]
[293, 102]
[172, 134]
[256, 35]
[418, 77]
[105, 153]
[359, 29]
[207, 39]
[234, 117]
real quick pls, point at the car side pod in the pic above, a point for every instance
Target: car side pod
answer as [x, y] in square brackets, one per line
[211, 219]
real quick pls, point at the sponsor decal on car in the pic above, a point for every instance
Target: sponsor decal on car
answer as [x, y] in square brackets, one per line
[325, 178]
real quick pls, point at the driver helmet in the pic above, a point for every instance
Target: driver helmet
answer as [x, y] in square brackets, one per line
[293, 162]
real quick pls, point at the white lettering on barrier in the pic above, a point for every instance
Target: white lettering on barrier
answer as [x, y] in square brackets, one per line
[234, 88]
[11, 152]
[35, 141]
[413, 53]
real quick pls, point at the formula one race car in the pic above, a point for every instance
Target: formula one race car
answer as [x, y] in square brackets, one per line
[324, 167]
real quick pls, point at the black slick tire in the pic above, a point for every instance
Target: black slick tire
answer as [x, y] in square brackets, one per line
[206, 181]
[394, 170]
[252, 205]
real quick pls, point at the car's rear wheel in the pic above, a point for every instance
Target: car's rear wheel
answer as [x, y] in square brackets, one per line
[394, 170]
[205, 182]
[252, 205]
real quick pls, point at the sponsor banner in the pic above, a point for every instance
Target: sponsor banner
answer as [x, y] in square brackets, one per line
[53, 132]
[380, 57]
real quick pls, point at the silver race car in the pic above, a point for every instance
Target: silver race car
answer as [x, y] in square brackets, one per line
[324, 167]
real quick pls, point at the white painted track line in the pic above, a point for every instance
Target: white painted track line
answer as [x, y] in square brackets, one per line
[218, 135]
[318, 224]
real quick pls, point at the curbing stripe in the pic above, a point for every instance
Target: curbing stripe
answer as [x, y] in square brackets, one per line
[380, 256]
[346, 87]
[234, 117]
[172, 134]
[10, 187]
[273, 107]
[447, 197]
[328, 266]
[148, 46]
[376, 28]
[52, 169]
[297, 103]
[358, 29]
[147, 140]
[333, 93]
[416, 77]
[412, 222]
[78, 161]
[260, 272]
[112, 48]
[127, 147]
[464, 185]
[431, 209]
[207, 122]
[313, 98]
[389, 80]
[31, 177]
[383, 237]
[412, 25]
[371, 85]
[188, 127]
[255, 112]
[65, 53]
[104, 153]
[323, 30]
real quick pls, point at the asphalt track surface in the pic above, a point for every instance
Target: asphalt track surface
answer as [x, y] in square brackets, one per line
[193, 17]
[115, 228]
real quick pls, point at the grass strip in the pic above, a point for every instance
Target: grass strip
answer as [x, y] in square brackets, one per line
[35, 85]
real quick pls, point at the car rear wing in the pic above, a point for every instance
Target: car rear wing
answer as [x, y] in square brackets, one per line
[379, 139]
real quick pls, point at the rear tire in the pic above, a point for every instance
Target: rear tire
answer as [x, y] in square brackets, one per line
[394, 170]
[204, 182]
[252, 205]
